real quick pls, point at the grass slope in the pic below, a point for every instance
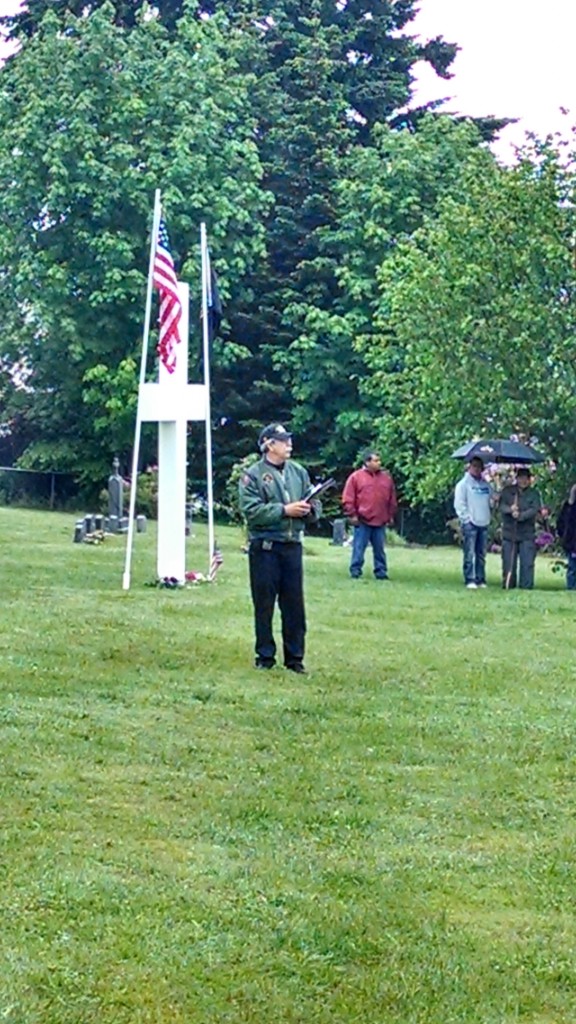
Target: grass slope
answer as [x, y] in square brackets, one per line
[388, 840]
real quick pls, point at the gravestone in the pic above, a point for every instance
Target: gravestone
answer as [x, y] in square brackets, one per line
[115, 491]
[338, 532]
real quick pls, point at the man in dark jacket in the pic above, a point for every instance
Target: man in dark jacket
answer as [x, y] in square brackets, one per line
[369, 501]
[520, 503]
[273, 500]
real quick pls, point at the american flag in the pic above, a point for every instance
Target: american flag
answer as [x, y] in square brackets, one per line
[215, 564]
[165, 281]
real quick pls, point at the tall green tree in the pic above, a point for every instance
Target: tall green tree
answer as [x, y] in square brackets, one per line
[327, 72]
[125, 112]
[476, 322]
[25, 22]
[372, 54]
[382, 198]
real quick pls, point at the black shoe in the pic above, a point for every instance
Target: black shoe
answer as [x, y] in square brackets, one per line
[297, 667]
[264, 664]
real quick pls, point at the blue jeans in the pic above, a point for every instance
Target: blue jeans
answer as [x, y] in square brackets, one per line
[571, 572]
[474, 545]
[364, 535]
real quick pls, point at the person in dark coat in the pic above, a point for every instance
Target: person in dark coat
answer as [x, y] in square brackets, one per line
[520, 504]
[566, 530]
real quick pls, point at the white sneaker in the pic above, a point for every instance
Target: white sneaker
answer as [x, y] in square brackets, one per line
[482, 586]
[471, 586]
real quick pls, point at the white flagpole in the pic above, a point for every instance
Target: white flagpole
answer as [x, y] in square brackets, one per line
[206, 353]
[143, 361]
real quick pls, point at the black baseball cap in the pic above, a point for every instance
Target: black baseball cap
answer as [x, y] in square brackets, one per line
[273, 432]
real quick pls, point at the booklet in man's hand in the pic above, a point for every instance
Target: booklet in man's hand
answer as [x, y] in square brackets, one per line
[316, 490]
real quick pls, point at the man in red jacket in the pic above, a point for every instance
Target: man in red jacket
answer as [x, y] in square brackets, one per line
[369, 500]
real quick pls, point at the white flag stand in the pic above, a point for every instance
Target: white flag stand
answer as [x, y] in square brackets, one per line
[172, 402]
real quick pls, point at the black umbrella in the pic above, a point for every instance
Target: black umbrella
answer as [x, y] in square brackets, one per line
[501, 450]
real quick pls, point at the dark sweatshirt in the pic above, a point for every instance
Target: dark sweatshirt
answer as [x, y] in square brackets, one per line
[529, 504]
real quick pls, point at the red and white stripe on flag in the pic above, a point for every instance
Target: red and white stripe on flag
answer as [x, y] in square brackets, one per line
[166, 282]
[215, 564]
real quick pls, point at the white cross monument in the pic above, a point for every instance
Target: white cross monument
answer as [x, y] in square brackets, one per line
[172, 402]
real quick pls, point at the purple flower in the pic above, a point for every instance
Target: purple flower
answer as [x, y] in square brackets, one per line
[543, 539]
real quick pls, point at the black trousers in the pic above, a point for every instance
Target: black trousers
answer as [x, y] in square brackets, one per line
[276, 575]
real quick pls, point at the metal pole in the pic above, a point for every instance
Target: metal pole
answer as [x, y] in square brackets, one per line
[208, 421]
[143, 360]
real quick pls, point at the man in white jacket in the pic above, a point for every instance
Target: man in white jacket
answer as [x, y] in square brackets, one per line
[472, 501]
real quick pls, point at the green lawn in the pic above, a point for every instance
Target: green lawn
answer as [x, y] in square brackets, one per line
[388, 840]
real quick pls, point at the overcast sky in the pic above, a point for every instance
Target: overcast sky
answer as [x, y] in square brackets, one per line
[516, 60]
[9, 6]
